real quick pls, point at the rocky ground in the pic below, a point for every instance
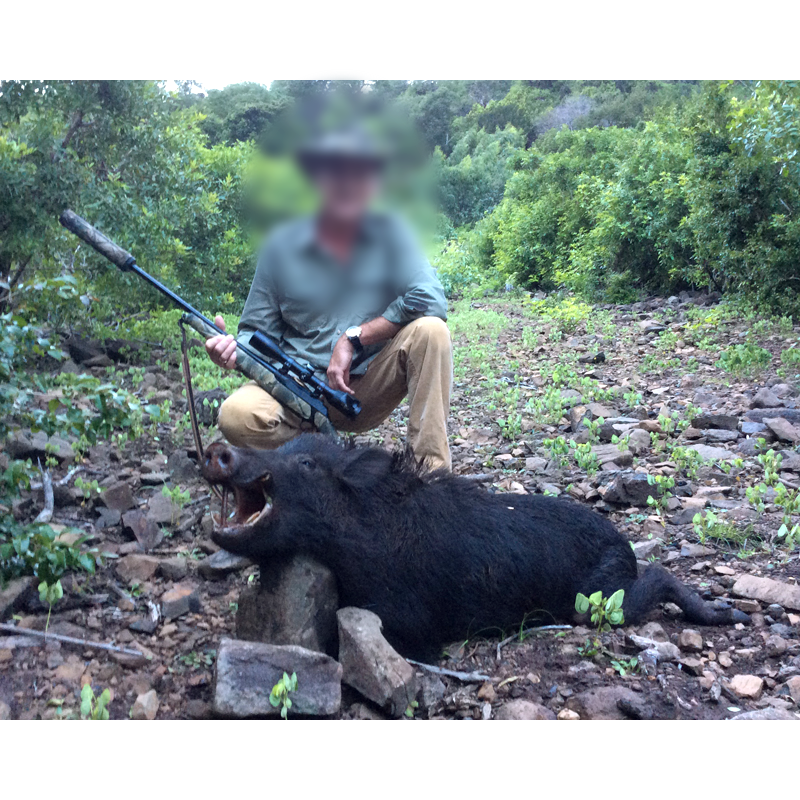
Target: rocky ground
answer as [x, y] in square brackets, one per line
[548, 397]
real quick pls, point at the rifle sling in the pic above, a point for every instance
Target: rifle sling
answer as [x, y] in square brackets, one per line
[187, 379]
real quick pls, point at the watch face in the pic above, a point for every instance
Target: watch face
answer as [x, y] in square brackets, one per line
[352, 332]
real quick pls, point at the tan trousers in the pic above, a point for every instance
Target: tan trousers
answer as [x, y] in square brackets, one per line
[417, 362]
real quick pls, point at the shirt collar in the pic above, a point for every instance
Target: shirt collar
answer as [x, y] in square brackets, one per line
[307, 235]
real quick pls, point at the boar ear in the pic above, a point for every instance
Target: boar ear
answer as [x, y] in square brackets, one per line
[367, 467]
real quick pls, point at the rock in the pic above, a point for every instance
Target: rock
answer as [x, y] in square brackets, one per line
[748, 606]
[776, 646]
[766, 713]
[107, 518]
[207, 405]
[765, 398]
[432, 690]
[747, 686]
[371, 665]
[598, 410]
[651, 326]
[768, 590]
[135, 568]
[14, 595]
[753, 428]
[716, 421]
[174, 569]
[146, 706]
[709, 453]
[576, 416]
[162, 511]
[783, 429]
[654, 631]
[246, 672]
[721, 435]
[763, 414]
[639, 441]
[630, 489]
[570, 397]
[71, 671]
[694, 666]
[651, 426]
[198, 709]
[568, 713]
[610, 453]
[295, 603]
[696, 551]
[222, 563]
[647, 549]
[118, 497]
[523, 709]
[5, 711]
[179, 601]
[60, 448]
[690, 640]
[664, 650]
[146, 532]
[181, 468]
[793, 685]
[487, 692]
[791, 460]
[603, 702]
[535, 464]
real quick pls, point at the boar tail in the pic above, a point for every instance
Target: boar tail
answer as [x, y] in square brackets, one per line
[655, 585]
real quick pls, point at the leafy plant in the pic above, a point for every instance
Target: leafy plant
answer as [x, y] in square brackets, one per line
[50, 594]
[279, 696]
[744, 359]
[94, 707]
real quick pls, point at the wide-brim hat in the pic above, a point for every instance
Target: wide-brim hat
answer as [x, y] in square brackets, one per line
[337, 147]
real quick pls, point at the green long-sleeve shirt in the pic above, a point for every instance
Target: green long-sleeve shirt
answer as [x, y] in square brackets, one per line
[305, 299]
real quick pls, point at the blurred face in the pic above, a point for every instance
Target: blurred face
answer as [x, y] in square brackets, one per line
[346, 189]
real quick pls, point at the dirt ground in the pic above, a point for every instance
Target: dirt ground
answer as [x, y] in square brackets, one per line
[666, 351]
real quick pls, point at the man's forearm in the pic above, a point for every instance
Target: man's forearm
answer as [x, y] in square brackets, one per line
[378, 330]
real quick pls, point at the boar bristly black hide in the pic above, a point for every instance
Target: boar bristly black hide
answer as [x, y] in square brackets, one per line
[435, 557]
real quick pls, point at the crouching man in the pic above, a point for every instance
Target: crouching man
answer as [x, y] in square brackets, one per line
[349, 291]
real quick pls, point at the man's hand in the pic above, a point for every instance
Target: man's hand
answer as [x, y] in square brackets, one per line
[222, 349]
[339, 368]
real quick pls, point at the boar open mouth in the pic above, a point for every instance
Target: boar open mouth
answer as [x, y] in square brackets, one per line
[252, 503]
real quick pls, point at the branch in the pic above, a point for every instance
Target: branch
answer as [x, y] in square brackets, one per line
[77, 123]
[46, 514]
[13, 629]
[467, 677]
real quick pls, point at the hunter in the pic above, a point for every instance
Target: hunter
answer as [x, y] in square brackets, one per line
[349, 290]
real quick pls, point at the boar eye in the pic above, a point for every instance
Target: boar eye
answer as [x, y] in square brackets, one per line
[307, 462]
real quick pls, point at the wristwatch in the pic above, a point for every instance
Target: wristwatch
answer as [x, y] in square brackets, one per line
[352, 334]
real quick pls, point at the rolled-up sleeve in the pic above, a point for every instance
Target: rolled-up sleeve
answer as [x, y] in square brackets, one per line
[420, 294]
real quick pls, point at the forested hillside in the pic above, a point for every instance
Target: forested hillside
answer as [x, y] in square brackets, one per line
[608, 188]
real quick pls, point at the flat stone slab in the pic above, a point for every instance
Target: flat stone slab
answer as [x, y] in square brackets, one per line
[768, 591]
[716, 422]
[247, 671]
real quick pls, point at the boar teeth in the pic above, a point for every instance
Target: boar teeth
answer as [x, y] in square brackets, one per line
[217, 518]
[252, 518]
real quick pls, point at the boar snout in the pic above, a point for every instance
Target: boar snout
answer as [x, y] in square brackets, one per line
[220, 463]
